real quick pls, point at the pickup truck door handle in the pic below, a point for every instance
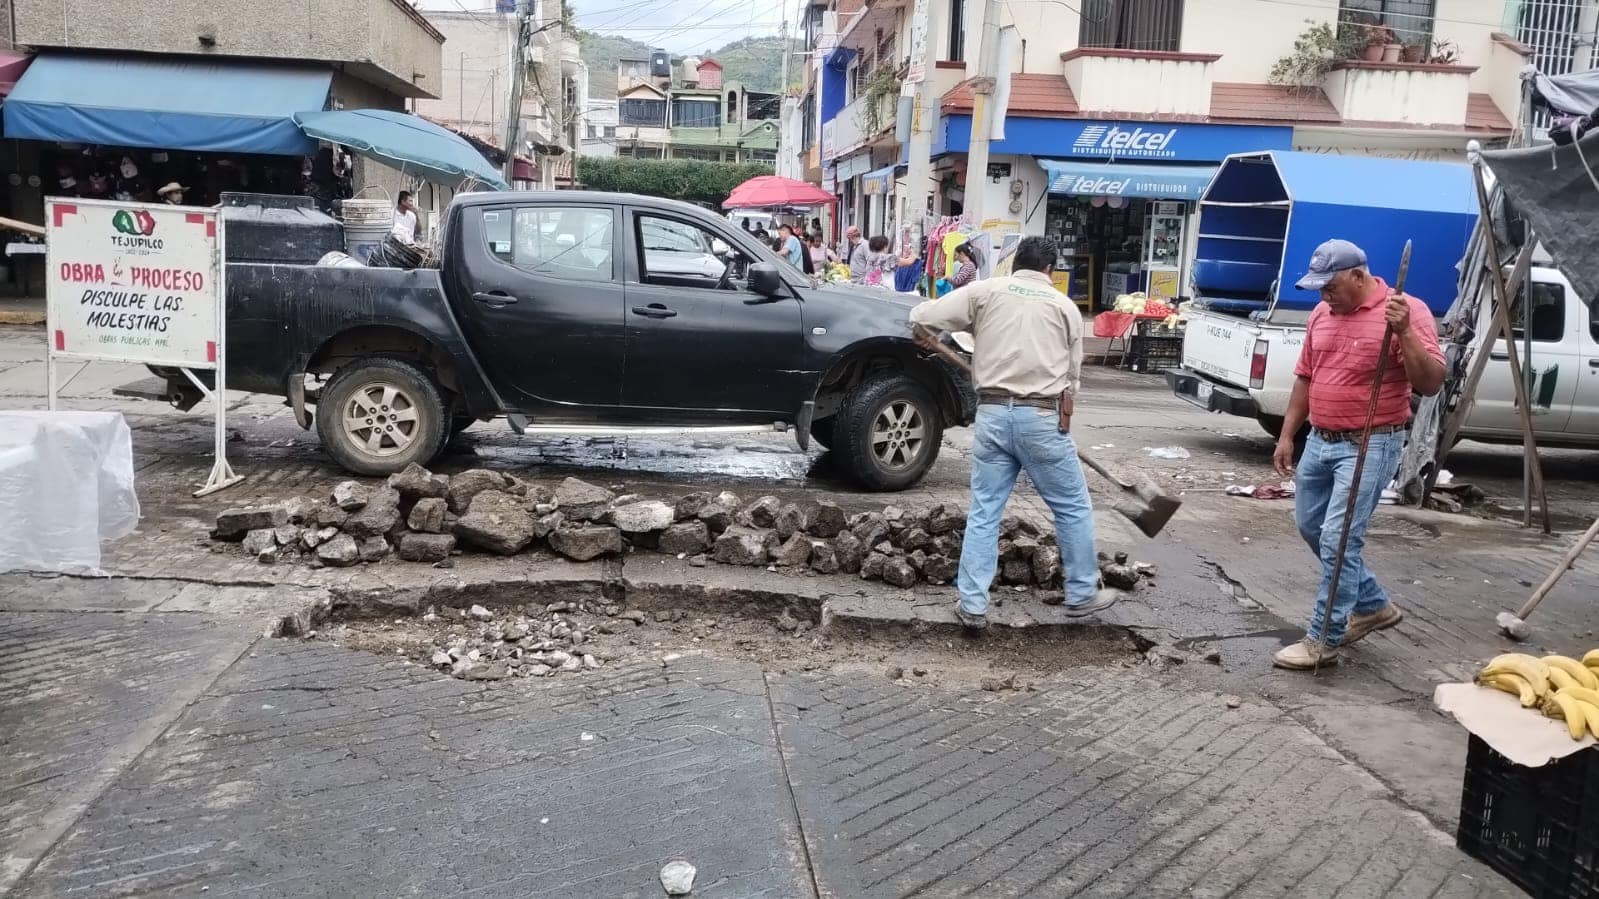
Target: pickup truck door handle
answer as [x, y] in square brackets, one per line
[1499, 357]
[494, 298]
[1593, 363]
[654, 310]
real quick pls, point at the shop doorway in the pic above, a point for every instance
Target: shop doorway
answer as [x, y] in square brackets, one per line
[1111, 246]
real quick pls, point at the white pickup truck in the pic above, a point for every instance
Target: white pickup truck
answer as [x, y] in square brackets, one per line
[1242, 367]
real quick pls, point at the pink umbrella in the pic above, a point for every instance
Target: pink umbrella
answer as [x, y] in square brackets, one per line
[765, 191]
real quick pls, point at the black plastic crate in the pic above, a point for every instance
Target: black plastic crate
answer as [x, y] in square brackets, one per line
[1152, 354]
[1539, 827]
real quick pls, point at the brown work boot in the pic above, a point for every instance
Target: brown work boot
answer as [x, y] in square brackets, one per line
[1382, 619]
[1302, 656]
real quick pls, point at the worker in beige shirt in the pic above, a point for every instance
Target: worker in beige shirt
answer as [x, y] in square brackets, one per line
[1029, 353]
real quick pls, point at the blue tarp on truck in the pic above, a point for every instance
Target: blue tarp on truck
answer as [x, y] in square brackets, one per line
[1264, 213]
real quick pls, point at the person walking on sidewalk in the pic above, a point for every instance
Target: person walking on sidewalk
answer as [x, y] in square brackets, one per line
[1029, 353]
[1332, 389]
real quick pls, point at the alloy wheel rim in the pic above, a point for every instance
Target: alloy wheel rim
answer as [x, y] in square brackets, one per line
[898, 435]
[381, 418]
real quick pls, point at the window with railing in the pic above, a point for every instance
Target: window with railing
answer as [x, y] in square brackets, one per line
[647, 113]
[1131, 24]
[1410, 20]
[696, 114]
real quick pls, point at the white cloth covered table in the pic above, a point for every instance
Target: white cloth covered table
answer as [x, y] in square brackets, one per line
[66, 485]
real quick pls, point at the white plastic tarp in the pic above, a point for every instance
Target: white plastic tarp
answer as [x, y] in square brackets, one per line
[66, 485]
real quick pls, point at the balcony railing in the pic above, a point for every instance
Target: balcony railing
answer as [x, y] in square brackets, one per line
[1413, 93]
[1140, 81]
[859, 123]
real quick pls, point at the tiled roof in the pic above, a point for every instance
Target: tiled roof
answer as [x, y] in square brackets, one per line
[1049, 96]
[1033, 96]
[1270, 103]
[1482, 114]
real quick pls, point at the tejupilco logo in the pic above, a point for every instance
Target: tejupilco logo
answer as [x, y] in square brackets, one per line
[137, 223]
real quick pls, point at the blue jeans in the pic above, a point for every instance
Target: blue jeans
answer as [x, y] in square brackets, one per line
[1009, 439]
[1322, 484]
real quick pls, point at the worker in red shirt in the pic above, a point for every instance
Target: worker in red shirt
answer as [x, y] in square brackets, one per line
[1332, 389]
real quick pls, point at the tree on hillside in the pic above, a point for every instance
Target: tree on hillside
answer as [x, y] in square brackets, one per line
[689, 180]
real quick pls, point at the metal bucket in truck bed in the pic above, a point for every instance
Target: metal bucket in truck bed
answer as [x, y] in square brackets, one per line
[1265, 212]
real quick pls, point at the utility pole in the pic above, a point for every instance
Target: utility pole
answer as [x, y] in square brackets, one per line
[983, 84]
[928, 18]
[513, 117]
[782, 93]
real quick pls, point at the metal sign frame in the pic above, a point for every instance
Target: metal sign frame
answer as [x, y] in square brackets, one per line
[222, 474]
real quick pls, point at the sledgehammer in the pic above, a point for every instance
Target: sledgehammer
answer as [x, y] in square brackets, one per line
[1143, 503]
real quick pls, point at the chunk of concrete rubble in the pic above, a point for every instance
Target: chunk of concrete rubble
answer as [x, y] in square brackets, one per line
[851, 552]
[468, 484]
[677, 878]
[415, 482]
[331, 516]
[581, 543]
[939, 569]
[761, 513]
[415, 547]
[379, 514]
[1047, 571]
[234, 524]
[689, 506]
[790, 520]
[270, 555]
[945, 518]
[642, 517]
[685, 538]
[488, 671]
[998, 684]
[497, 522]
[827, 521]
[339, 551]
[479, 613]
[441, 658]
[898, 572]
[581, 501]
[546, 524]
[719, 513]
[427, 516]
[824, 557]
[793, 552]
[349, 496]
[1122, 577]
[300, 510]
[374, 549]
[741, 545]
[1016, 572]
[872, 566]
[786, 623]
[288, 534]
[259, 540]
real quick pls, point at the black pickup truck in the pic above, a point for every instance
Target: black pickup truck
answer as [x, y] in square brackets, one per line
[576, 308]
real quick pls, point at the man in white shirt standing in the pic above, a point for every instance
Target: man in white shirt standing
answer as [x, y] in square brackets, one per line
[406, 227]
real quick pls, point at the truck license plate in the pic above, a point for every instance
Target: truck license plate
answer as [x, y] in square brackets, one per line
[1204, 391]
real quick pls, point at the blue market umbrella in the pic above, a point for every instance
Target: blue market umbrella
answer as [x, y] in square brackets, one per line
[404, 141]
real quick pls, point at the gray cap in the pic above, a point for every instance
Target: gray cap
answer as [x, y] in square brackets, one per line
[1330, 258]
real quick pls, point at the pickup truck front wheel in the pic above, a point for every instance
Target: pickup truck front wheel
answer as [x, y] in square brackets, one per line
[888, 432]
[379, 415]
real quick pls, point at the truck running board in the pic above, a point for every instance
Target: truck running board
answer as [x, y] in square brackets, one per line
[606, 430]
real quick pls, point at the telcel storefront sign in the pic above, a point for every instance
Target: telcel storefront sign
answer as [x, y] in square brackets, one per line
[1114, 140]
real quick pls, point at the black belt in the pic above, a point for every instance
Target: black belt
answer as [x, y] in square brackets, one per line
[1354, 436]
[1001, 398]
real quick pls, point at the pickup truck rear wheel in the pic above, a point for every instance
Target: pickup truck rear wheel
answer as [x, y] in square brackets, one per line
[888, 432]
[379, 415]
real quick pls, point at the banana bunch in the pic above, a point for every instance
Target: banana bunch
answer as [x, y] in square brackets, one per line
[1559, 686]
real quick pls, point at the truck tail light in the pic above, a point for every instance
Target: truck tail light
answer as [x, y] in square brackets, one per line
[1257, 365]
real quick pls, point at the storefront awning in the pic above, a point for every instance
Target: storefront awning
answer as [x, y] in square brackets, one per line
[1160, 182]
[877, 182]
[409, 143]
[215, 105]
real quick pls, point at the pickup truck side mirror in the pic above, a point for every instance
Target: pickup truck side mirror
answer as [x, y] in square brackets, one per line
[764, 280]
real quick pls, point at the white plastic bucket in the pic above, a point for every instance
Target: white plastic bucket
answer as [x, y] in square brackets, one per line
[366, 223]
[336, 259]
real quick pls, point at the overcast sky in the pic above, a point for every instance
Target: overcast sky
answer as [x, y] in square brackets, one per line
[681, 26]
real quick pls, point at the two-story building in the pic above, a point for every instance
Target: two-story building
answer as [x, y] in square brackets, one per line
[1116, 120]
[695, 115]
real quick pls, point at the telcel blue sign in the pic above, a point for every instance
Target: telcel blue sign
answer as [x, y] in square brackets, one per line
[1118, 141]
[1168, 182]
